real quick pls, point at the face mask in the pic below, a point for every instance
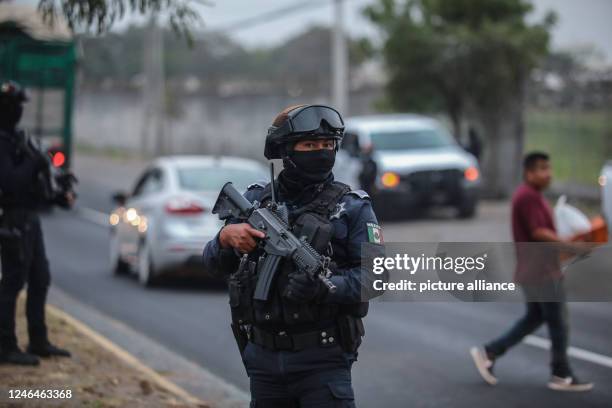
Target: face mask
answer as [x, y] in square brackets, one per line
[10, 117]
[309, 167]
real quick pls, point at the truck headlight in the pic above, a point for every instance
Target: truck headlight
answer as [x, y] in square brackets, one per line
[390, 179]
[471, 173]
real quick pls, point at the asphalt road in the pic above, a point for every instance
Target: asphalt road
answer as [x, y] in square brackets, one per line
[414, 354]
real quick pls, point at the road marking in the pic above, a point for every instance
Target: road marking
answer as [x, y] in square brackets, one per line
[575, 352]
[101, 219]
[97, 217]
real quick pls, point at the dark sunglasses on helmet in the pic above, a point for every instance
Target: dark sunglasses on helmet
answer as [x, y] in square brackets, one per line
[309, 119]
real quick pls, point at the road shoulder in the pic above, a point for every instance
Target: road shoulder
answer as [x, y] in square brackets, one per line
[185, 374]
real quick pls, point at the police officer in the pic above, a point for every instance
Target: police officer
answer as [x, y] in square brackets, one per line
[299, 345]
[23, 257]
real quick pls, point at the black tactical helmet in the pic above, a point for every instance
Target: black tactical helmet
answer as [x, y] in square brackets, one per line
[302, 122]
[12, 93]
[12, 97]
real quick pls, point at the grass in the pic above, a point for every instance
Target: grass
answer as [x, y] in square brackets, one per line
[579, 142]
[109, 152]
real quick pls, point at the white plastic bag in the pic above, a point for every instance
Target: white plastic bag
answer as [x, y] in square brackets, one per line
[569, 220]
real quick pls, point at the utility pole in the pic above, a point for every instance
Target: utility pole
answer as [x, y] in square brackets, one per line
[339, 60]
[154, 92]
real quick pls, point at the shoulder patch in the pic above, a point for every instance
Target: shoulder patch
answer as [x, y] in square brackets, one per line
[374, 233]
[338, 211]
[257, 184]
[359, 193]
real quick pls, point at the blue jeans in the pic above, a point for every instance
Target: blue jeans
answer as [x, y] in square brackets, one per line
[317, 377]
[554, 314]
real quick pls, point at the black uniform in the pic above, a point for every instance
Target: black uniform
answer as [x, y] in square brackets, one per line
[301, 353]
[23, 259]
[25, 186]
[298, 346]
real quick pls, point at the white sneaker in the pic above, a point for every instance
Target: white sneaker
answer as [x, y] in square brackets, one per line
[568, 384]
[483, 364]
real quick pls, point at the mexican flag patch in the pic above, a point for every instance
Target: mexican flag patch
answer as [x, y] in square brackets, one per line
[374, 233]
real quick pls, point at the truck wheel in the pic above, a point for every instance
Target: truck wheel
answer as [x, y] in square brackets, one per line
[467, 209]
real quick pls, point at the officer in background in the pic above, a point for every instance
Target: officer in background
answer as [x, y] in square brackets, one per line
[298, 347]
[23, 190]
[369, 170]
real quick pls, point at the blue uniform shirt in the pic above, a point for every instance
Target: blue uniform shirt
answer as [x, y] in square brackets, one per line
[354, 223]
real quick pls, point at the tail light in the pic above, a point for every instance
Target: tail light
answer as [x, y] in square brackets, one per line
[184, 206]
[58, 158]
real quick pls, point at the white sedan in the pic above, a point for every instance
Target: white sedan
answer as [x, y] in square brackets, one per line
[163, 225]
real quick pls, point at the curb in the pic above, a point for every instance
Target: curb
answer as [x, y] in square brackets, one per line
[184, 372]
[127, 358]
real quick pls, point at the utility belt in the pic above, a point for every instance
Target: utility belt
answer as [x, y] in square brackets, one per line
[282, 340]
[13, 216]
[347, 332]
[11, 230]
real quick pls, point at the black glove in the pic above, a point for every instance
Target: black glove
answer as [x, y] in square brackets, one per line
[62, 200]
[302, 288]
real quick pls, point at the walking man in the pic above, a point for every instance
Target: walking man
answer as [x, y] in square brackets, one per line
[540, 277]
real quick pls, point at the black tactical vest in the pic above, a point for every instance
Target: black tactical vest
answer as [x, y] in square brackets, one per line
[312, 222]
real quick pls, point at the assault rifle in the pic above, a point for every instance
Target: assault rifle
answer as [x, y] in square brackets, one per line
[279, 242]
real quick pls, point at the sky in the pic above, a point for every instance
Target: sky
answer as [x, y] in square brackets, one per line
[581, 22]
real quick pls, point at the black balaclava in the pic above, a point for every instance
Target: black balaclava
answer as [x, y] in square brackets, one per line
[10, 115]
[303, 170]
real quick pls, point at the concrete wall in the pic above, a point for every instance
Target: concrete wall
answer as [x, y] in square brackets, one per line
[202, 124]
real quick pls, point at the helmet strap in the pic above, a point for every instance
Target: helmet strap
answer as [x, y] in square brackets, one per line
[287, 162]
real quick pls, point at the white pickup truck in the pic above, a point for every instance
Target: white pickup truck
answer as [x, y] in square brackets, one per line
[605, 181]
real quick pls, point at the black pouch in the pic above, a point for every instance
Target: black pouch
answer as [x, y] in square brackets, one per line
[268, 312]
[355, 309]
[240, 335]
[351, 332]
[315, 229]
[240, 288]
[297, 313]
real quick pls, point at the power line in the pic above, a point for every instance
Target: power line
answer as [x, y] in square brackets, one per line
[272, 15]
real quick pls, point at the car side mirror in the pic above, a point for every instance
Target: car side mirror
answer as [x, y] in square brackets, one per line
[119, 198]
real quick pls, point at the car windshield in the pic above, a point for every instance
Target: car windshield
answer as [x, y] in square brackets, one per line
[206, 178]
[410, 139]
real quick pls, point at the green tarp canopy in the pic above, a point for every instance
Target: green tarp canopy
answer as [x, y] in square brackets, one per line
[41, 57]
[32, 51]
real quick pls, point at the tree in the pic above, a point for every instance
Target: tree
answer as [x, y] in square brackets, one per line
[467, 58]
[101, 14]
[215, 58]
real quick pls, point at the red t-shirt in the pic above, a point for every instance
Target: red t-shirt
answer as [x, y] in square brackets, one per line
[536, 263]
